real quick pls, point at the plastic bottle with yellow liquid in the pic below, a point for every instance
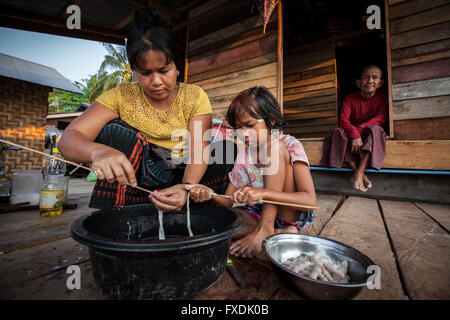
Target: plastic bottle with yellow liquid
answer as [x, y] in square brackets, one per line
[53, 187]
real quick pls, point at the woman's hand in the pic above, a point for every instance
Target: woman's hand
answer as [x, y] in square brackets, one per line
[248, 194]
[113, 165]
[199, 192]
[170, 199]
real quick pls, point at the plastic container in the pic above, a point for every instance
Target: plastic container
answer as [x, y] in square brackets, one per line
[26, 186]
[129, 262]
[52, 196]
[54, 167]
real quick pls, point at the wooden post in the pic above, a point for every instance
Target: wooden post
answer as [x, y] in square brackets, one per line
[280, 55]
[389, 69]
[186, 62]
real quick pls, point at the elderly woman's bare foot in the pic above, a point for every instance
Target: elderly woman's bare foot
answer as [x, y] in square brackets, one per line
[358, 183]
[367, 182]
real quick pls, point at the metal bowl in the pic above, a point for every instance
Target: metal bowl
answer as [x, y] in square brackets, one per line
[280, 247]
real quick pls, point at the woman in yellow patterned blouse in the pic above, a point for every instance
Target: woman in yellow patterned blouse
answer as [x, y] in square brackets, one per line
[150, 110]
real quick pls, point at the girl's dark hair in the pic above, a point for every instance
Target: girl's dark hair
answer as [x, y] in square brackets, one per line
[150, 31]
[260, 104]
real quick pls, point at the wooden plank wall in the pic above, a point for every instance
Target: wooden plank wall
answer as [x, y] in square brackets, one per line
[309, 91]
[228, 51]
[420, 44]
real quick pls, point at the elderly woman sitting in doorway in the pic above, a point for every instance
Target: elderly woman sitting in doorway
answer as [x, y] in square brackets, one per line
[127, 133]
[361, 121]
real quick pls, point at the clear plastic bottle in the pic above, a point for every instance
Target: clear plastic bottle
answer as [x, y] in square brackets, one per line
[52, 196]
[54, 187]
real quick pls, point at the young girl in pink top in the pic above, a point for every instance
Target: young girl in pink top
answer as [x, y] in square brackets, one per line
[272, 166]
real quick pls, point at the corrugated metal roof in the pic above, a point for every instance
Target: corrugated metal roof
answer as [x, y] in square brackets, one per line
[20, 69]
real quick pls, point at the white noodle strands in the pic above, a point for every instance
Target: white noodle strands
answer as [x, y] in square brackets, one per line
[162, 236]
[188, 216]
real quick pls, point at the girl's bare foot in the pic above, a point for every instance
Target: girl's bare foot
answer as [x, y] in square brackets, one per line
[250, 245]
[367, 182]
[290, 229]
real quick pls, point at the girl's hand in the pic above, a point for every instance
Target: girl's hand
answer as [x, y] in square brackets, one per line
[248, 194]
[199, 192]
[170, 199]
[113, 165]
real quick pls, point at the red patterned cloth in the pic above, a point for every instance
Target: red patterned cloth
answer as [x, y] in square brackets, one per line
[265, 8]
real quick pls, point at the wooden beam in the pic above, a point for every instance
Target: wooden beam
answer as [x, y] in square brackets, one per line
[124, 22]
[420, 50]
[26, 20]
[394, 2]
[268, 82]
[422, 71]
[433, 128]
[260, 72]
[168, 13]
[432, 107]
[421, 89]
[245, 52]
[234, 67]
[186, 59]
[309, 81]
[389, 69]
[411, 7]
[280, 55]
[421, 36]
[219, 17]
[310, 94]
[230, 42]
[227, 32]
[420, 20]
[61, 31]
[206, 7]
[422, 58]
[191, 4]
[308, 74]
[309, 88]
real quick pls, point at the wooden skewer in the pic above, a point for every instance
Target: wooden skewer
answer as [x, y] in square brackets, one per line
[273, 202]
[60, 159]
[143, 189]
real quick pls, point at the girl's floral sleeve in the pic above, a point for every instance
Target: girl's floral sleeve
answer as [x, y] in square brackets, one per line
[295, 149]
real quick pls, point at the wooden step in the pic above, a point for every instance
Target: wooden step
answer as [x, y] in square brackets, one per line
[400, 154]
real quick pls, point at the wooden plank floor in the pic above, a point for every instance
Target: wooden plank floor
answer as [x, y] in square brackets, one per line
[409, 242]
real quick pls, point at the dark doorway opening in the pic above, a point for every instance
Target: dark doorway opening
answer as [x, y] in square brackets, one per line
[352, 55]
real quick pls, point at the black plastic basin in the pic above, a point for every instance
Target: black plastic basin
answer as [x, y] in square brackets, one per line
[129, 262]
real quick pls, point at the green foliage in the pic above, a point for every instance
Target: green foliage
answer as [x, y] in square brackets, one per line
[95, 85]
[118, 62]
[64, 101]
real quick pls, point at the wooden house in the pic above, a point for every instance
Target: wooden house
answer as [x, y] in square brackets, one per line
[308, 55]
[324, 45]
[24, 88]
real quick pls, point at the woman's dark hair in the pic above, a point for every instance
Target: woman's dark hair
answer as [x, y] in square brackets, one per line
[260, 104]
[150, 31]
